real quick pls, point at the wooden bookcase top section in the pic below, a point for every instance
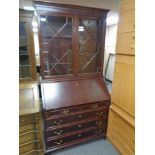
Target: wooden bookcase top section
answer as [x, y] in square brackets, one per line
[66, 51]
[71, 93]
[49, 4]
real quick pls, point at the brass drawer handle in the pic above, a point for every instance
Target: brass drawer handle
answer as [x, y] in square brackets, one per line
[94, 106]
[65, 111]
[98, 122]
[58, 143]
[79, 135]
[98, 131]
[58, 122]
[58, 132]
[80, 116]
[79, 125]
[22, 120]
[36, 118]
[99, 113]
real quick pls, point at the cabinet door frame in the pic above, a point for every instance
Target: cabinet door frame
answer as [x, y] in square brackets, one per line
[54, 77]
[75, 12]
[26, 16]
[100, 42]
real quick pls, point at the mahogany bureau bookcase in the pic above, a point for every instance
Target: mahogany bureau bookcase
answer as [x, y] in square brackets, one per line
[75, 98]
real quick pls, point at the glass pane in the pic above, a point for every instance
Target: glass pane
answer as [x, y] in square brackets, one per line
[56, 45]
[88, 51]
[24, 64]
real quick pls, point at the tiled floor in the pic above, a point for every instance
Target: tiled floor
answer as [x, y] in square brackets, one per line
[97, 147]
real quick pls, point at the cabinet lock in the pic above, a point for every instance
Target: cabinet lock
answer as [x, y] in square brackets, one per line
[94, 106]
[65, 111]
[80, 116]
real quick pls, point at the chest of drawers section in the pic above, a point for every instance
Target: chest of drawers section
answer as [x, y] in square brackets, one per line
[30, 140]
[72, 125]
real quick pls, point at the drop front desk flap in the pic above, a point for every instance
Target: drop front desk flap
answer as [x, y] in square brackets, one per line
[71, 93]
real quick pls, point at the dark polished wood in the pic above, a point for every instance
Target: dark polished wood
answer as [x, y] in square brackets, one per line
[70, 93]
[74, 109]
[76, 117]
[74, 138]
[79, 141]
[59, 131]
[47, 5]
[66, 52]
[62, 130]
[75, 97]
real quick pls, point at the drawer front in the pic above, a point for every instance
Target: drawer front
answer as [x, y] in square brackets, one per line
[126, 27]
[27, 148]
[72, 138]
[77, 117]
[28, 127]
[34, 152]
[126, 43]
[126, 5]
[121, 132]
[124, 81]
[65, 111]
[75, 127]
[127, 16]
[126, 22]
[28, 118]
[25, 138]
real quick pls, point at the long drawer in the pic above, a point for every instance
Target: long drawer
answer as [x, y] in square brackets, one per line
[121, 133]
[27, 137]
[69, 110]
[76, 137]
[127, 16]
[24, 128]
[77, 117]
[126, 5]
[75, 127]
[28, 118]
[126, 43]
[29, 147]
[127, 22]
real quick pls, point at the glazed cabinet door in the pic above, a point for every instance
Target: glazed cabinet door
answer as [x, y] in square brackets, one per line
[56, 31]
[89, 45]
[27, 71]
